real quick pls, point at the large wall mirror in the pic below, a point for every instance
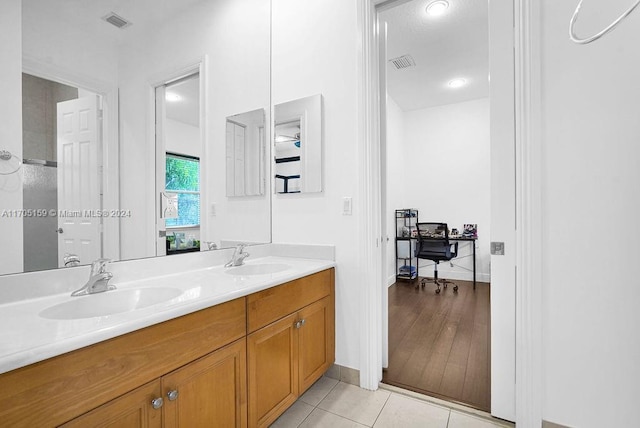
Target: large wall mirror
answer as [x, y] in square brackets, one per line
[125, 120]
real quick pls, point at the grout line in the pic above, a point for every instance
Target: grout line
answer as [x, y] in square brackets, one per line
[448, 405]
[381, 409]
[449, 418]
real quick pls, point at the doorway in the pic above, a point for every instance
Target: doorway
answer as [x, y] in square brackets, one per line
[63, 158]
[439, 190]
[178, 173]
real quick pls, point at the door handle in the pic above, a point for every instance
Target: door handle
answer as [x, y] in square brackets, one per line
[59, 230]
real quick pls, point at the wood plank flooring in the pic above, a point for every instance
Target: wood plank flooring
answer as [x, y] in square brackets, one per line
[439, 343]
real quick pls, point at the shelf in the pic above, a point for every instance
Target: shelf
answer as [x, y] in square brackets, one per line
[289, 159]
[406, 267]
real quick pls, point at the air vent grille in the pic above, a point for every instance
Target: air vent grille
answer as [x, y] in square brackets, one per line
[116, 21]
[404, 61]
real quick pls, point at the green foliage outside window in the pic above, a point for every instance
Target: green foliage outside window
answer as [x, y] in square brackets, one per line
[183, 177]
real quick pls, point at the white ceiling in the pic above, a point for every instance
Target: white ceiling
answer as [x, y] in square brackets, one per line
[453, 45]
[144, 15]
[187, 109]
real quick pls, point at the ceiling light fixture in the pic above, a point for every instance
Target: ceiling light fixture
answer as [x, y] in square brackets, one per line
[173, 97]
[456, 83]
[437, 8]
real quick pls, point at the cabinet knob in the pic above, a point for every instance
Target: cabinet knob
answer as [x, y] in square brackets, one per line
[302, 321]
[297, 324]
[172, 395]
[157, 403]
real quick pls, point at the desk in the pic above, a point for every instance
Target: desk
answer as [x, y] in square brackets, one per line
[473, 245]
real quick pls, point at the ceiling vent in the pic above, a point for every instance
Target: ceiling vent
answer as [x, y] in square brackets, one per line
[404, 61]
[116, 21]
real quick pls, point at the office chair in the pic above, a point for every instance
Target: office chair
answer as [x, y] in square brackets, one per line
[434, 245]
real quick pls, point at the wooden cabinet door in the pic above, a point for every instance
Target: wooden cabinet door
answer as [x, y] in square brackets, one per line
[132, 410]
[272, 370]
[209, 392]
[315, 341]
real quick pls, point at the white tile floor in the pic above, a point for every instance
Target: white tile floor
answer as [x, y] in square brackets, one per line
[334, 404]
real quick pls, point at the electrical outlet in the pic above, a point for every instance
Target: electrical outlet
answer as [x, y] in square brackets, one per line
[169, 205]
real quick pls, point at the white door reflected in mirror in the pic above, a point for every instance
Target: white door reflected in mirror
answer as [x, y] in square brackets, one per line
[245, 153]
[298, 146]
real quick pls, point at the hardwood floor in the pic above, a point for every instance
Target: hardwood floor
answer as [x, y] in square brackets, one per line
[439, 344]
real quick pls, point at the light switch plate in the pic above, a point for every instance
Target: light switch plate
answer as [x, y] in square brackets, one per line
[497, 248]
[346, 206]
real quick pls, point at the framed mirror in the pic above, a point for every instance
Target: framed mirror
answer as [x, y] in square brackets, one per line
[298, 146]
[100, 145]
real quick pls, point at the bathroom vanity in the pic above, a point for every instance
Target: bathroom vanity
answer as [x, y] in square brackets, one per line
[241, 361]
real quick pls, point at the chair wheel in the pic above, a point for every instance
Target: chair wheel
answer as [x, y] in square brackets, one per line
[438, 291]
[455, 288]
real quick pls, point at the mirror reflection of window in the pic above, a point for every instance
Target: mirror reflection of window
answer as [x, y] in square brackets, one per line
[183, 177]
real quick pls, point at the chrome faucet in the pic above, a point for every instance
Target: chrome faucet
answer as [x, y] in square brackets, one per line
[71, 260]
[210, 245]
[98, 280]
[238, 256]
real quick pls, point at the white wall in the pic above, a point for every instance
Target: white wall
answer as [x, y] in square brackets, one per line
[182, 138]
[234, 38]
[444, 165]
[591, 165]
[11, 133]
[54, 37]
[315, 51]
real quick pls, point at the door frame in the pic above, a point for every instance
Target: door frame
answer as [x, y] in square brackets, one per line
[110, 132]
[528, 329]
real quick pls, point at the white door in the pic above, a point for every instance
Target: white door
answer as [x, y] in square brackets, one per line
[503, 210]
[79, 200]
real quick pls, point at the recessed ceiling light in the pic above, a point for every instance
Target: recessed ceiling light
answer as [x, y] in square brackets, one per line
[457, 83]
[437, 7]
[173, 97]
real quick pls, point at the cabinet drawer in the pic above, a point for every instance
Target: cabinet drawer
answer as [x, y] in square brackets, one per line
[56, 390]
[274, 303]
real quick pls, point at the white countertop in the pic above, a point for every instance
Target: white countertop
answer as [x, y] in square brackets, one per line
[26, 337]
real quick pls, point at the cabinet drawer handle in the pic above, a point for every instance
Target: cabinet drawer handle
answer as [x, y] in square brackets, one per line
[157, 403]
[172, 395]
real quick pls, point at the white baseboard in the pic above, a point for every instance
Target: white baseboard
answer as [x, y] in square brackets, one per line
[391, 280]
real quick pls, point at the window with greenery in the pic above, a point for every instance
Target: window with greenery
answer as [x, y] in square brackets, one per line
[183, 178]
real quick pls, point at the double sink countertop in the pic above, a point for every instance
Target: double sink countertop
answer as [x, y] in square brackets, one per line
[43, 327]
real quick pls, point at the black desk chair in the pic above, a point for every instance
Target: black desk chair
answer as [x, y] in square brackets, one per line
[434, 245]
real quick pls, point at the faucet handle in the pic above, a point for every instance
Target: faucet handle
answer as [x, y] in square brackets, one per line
[98, 266]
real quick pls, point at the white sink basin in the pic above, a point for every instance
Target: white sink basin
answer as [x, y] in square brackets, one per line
[258, 269]
[109, 303]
